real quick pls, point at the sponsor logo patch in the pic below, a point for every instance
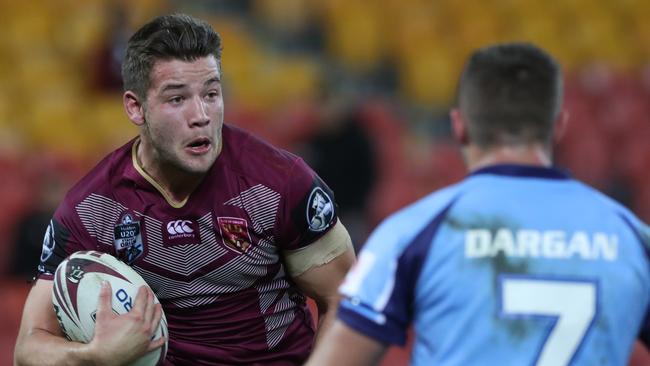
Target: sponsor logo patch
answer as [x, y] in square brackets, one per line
[180, 232]
[127, 239]
[234, 232]
[320, 210]
[180, 227]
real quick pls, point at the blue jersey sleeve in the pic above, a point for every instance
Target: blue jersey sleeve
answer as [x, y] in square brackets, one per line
[379, 291]
[370, 286]
[642, 233]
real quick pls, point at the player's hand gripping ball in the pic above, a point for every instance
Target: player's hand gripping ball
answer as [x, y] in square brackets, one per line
[77, 282]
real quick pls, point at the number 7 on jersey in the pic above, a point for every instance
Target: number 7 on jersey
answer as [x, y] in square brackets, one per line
[572, 303]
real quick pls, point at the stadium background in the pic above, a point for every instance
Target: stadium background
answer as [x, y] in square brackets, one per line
[360, 88]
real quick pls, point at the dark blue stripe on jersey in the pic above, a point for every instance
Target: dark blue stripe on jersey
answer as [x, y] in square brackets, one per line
[409, 266]
[387, 333]
[644, 332]
[643, 241]
[529, 171]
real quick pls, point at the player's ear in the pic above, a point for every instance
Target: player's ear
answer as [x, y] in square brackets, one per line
[134, 107]
[560, 125]
[459, 127]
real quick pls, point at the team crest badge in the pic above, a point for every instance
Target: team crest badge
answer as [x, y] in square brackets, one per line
[48, 242]
[320, 210]
[234, 232]
[128, 239]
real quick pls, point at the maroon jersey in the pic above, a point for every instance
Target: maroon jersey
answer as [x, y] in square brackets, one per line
[214, 261]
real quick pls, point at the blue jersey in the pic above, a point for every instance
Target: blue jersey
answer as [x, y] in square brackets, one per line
[515, 265]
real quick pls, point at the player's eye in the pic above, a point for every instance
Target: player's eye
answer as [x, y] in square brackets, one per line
[212, 94]
[176, 100]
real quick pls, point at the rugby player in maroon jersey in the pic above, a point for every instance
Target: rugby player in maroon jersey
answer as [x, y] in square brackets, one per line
[232, 234]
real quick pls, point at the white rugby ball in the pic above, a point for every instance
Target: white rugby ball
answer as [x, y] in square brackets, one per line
[75, 296]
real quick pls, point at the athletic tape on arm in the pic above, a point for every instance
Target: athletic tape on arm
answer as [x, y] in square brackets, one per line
[331, 245]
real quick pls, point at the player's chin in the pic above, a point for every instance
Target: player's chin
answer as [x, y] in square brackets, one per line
[199, 164]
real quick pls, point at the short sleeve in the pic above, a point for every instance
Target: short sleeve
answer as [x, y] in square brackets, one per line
[379, 292]
[308, 209]
[62, 238]
[369, 303]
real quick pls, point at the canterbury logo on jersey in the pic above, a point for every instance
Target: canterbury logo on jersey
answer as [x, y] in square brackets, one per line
[179, 227]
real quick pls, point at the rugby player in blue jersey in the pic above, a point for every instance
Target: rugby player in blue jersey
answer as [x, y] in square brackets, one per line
[518, 264]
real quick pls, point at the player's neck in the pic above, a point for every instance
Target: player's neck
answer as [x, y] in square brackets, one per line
[174, 184]
[533, 154]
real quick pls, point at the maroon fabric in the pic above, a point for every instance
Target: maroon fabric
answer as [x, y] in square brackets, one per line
[214, 263]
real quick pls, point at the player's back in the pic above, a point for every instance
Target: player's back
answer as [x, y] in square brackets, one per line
[514, 266]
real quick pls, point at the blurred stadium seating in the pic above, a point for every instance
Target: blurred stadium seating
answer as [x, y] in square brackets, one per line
[398, 60]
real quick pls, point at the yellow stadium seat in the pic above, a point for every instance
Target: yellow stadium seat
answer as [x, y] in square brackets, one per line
[354, 33]
[428, 76]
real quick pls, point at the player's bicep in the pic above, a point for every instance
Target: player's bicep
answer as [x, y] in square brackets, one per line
[319, 268]
[334, 244]
[38, 312]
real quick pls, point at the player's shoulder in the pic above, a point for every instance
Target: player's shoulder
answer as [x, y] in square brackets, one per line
[398, 230]
[428, 207]
[251, 156]
[100, 179]
[618, 209]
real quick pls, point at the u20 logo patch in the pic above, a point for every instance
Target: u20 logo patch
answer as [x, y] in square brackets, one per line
[127, 239]
[320, 210]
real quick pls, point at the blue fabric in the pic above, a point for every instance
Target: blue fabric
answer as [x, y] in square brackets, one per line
[515, 265]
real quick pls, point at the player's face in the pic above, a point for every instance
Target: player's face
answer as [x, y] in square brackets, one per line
[184, 113]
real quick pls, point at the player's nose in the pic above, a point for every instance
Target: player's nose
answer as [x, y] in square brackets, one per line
[198, 114]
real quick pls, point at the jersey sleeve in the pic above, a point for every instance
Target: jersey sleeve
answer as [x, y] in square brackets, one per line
[308, 210]
[375, 292]
[642, 233]
[379, 292]
[63, 237]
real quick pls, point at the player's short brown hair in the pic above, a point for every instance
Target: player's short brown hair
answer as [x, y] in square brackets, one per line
[176, 36]
[510, 94]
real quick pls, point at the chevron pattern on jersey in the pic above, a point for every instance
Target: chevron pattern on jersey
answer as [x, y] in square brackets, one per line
[261, 204]
[231, 277]
[237, 274]
[269, 291]
[182, 259]
[98, 215]
[278, 322]
[194, 301]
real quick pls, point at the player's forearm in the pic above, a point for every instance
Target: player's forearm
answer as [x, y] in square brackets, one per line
[42, 348]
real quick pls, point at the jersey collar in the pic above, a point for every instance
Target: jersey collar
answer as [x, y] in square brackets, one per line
[523, 171]
[136, 164]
